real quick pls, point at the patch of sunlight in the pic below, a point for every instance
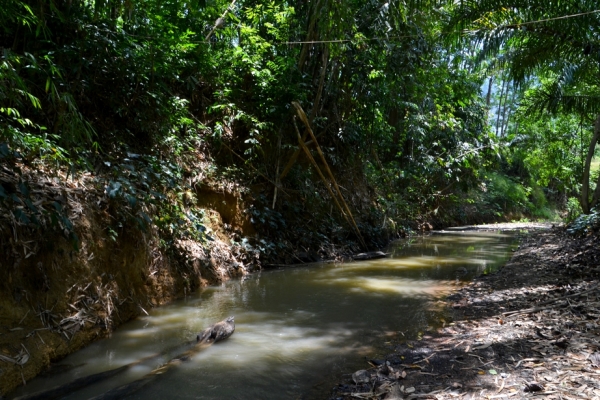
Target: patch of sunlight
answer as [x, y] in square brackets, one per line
[264, 344]
[396, 285]
[387, 264]
[595, 165]
[459, 234]
[143, 332]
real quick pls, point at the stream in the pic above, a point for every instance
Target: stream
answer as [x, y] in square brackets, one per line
[298, 330]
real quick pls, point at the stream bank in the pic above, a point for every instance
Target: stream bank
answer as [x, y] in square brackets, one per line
[529, 329]
[76, 265]
[86, 252]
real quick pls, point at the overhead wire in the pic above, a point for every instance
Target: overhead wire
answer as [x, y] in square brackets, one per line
[411, 36]
[387, 38]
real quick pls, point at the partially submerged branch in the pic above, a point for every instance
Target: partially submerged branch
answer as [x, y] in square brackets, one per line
[214, 333]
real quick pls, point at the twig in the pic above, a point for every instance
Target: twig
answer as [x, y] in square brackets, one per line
[40, 337]
[22, 319]
[425, 359]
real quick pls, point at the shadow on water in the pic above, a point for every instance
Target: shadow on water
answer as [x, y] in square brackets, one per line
[297, 330]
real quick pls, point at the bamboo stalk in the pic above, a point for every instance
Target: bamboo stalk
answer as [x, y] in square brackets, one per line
[313, 112]
[327, 185]
[311, 26]
[277, 170]
[290, 164]
[312, 160]
[304, 119]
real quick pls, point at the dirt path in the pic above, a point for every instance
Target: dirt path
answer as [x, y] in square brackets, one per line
[529, 330]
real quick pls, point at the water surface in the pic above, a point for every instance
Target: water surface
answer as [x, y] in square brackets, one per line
[298, 330]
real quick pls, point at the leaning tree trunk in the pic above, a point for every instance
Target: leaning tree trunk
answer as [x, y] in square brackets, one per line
[585, 187]
[596, 196]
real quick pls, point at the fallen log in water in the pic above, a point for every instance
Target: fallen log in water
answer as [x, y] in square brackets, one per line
[214, 333]
[371, 255]
[63, 390]
[217, 332]
[79, 383]
[132, 387]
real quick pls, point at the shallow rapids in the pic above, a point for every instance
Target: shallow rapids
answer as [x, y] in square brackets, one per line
[297, 329]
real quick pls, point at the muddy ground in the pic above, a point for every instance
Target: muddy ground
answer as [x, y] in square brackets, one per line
[530, 330]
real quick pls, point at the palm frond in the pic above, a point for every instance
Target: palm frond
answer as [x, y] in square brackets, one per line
[555, 97]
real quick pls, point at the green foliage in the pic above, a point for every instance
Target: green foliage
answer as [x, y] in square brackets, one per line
[585, 224]
[147, 190]
[504, 194]
[553, 149]
[550, 51]
[21, 206]
[573, 209]
[141, 95]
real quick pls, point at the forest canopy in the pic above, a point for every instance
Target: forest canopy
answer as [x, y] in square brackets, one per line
[449, 112]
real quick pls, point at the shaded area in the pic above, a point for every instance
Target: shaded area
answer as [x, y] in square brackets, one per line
[530, 329]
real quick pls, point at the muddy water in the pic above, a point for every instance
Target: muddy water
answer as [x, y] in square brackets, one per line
[297, 330]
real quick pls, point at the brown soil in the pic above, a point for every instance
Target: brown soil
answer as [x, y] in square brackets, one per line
[55, 298]
[529, 330]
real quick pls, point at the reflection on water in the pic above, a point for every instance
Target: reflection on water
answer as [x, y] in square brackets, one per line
[297, 330]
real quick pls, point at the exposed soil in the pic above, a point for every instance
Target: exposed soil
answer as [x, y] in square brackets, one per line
[529, 330]
[56, 298]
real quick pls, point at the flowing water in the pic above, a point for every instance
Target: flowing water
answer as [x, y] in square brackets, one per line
[298, 330]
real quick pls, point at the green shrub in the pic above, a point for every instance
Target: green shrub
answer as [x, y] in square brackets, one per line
[585, 223]
[505, 195]
[573, 209]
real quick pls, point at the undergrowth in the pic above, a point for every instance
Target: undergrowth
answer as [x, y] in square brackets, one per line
[585, 224]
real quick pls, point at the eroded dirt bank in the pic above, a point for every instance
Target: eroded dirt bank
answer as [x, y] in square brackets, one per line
[58, 294]
[529, 330]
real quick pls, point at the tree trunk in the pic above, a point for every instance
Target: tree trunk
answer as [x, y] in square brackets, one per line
[499, 110]
[316, 12]
[313, 114]
[585, 187]
[506, 114]
[596, 196]
[488, 97]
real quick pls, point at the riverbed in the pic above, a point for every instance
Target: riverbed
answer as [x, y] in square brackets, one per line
[297, 329]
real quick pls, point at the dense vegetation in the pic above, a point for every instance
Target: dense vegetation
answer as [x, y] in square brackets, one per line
[424, 111]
